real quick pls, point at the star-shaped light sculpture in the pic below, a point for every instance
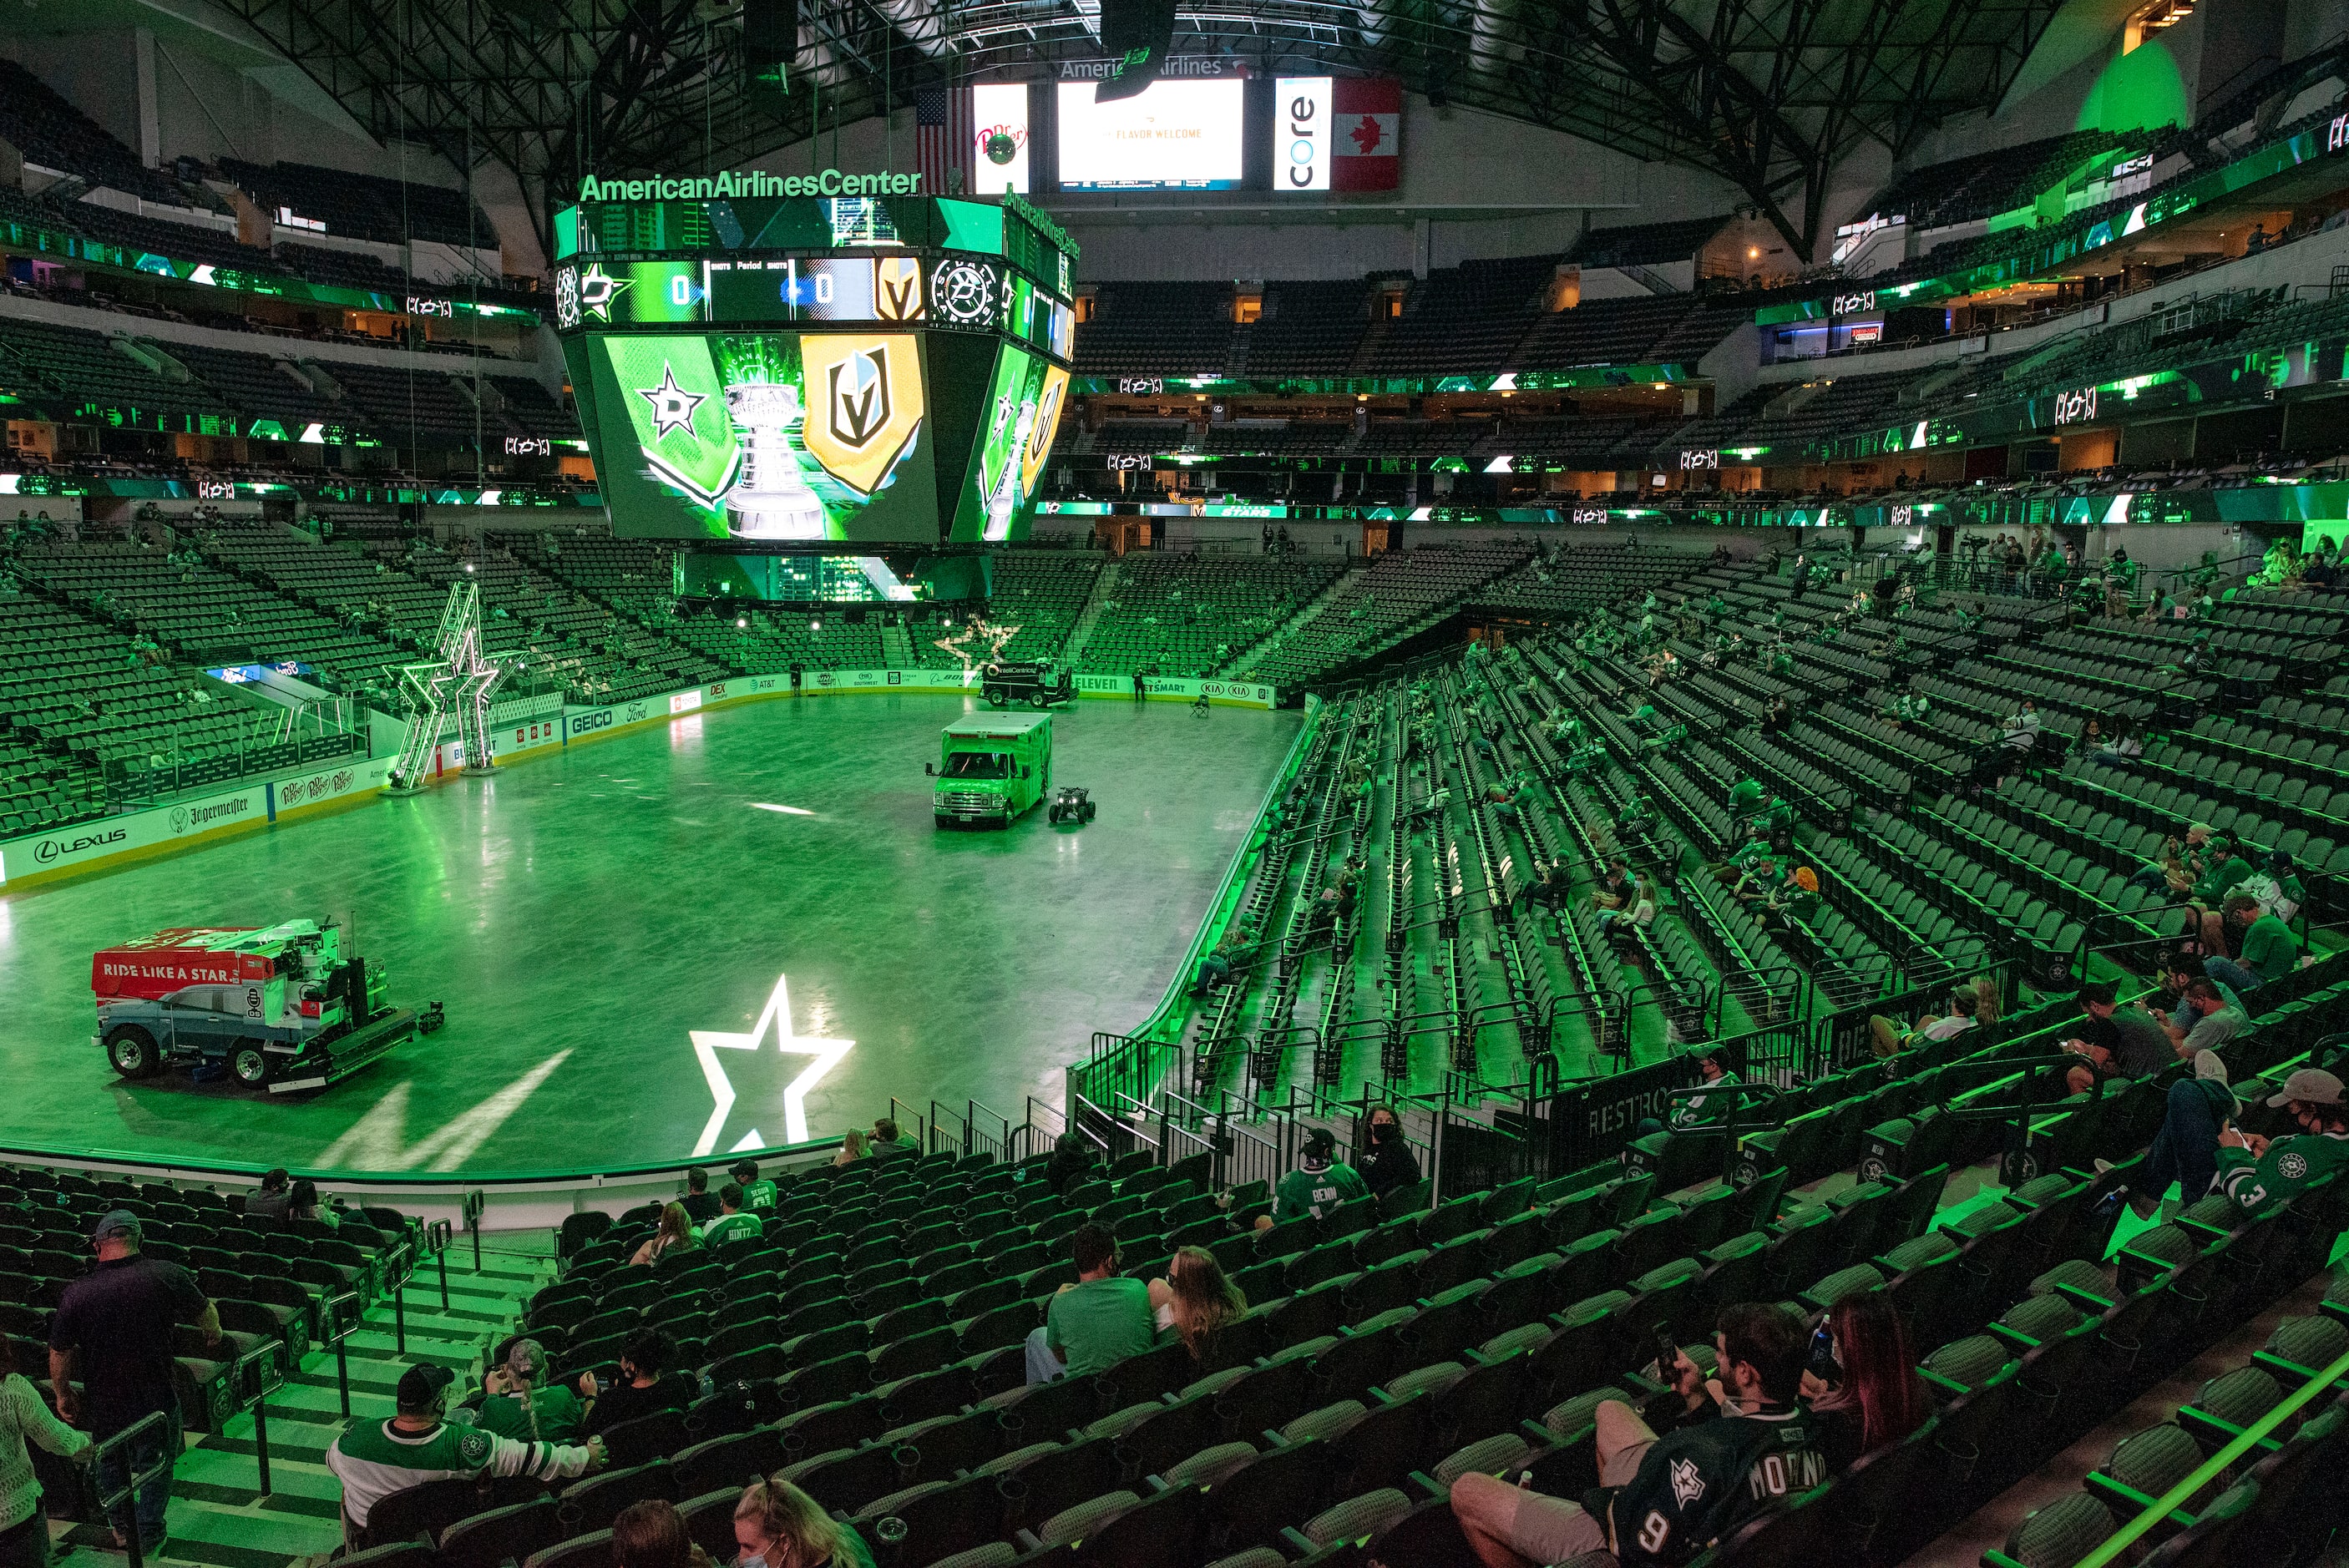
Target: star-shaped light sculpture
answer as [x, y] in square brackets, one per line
[598, 289]
[459, 679]
[673, 406]
[707, 1043]
[974, 631]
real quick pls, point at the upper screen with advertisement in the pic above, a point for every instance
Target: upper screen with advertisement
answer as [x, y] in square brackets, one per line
[1176, 136]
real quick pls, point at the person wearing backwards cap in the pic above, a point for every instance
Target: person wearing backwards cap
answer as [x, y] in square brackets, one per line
[113, 1326]
[374, 1459]
[2261, 1174]
[1319, 1183]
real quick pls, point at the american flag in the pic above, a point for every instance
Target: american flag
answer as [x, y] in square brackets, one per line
[942, 140]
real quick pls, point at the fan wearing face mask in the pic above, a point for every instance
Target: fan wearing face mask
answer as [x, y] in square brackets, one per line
[1387, 1162]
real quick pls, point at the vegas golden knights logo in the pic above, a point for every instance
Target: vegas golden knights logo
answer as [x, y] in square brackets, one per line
[866, 397]
[897, 290]
[856, 396]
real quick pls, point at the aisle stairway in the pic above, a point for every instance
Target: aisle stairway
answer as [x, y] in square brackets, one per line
[218, 1515]
[1306, 614]
[896, 648]
[1104, 590]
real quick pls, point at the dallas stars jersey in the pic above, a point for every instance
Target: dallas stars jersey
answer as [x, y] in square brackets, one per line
[373, 1459]
[2289, 1167]
[1699, 1483]
[1317, 1192]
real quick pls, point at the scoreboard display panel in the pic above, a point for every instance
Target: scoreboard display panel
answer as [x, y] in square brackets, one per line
[888, 394]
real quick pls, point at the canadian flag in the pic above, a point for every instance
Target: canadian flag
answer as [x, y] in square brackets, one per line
[1365, 133]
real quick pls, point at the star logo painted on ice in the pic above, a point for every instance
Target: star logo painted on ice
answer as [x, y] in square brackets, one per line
[673, 406]
[598, 289]
[707, 1043]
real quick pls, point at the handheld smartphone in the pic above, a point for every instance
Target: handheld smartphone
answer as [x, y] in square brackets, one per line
[1822, 1360]
[1668, 1350]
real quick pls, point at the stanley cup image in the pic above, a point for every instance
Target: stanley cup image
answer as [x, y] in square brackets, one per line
[770, 500]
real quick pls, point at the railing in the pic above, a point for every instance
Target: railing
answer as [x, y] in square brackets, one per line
[269, 1358]
[979, 1130]
[1133, 1064]
[1843, 1036]
[2251, 1439]
[127, 786]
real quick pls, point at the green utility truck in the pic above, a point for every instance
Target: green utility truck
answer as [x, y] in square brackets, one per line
[992, 767]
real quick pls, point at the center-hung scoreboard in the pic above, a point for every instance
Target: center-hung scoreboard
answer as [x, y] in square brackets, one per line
[806, 369]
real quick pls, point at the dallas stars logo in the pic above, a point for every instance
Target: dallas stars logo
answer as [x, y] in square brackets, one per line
[598, 289]
[974, 631]
[673, 406]
[707, 1043]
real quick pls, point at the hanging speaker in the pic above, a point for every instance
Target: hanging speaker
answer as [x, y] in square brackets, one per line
[770, 37]
[1137, 33]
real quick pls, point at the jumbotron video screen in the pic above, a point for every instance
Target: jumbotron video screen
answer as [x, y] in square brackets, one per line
[825, 370]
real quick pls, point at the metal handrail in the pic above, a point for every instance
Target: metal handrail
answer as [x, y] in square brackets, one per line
[2252, 1437]
[137, 1478]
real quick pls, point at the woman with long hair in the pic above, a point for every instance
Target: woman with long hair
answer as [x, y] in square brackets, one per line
[23, 1525]
[856, 1144]
[1879, 1398]
[652, 1534]
[1388, 1162]
[776, 1525]
[1986, 1000]
[1194, 1299]
[676, 1233]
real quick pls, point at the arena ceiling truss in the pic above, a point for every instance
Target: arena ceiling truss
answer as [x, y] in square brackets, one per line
[1768, 94]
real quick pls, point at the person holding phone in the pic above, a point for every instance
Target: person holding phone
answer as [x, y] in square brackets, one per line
[1748, 1446]
[1862, 1385]
[2263, 1174]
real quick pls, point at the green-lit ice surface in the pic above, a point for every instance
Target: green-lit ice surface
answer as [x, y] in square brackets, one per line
[583, 914]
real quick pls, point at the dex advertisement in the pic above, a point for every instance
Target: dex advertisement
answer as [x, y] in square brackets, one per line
[766, 436]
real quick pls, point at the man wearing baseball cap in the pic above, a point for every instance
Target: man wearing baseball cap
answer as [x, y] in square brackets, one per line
[374, 1459]
[2262, 1174]
[1319, 1183]
[114, 1328]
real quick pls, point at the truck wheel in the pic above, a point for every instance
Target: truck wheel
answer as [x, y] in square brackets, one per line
[942, 819]
[249, 1064]
[132, 1052]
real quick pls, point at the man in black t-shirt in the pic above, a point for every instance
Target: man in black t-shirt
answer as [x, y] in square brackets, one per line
[1747, 1448]
[639, 1390]
[114, 1327]
[701, 1202]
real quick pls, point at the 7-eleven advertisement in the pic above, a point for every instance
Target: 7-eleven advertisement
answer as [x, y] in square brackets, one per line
[1365, 133]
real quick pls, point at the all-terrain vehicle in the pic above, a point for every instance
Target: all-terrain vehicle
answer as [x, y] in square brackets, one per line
[279, 1006]
[1072, 804]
